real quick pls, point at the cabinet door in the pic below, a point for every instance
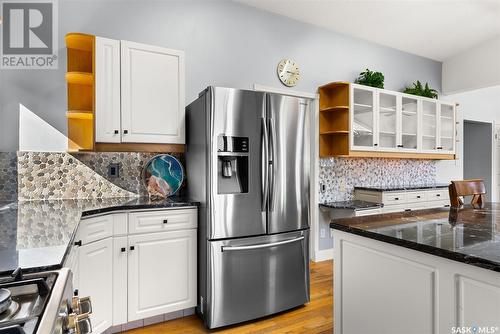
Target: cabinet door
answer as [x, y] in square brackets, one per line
[95, 280]
[409, 123]
[446, 128]
[363, 118]
[429, 126]
[107, 90]
[161, 273]
[152, 94]
[120, 262]
[388, 121]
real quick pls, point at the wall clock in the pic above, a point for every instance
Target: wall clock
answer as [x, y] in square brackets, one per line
[288, 72]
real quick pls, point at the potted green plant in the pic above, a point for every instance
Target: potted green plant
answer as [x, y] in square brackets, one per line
[418, 89]
[371, 78]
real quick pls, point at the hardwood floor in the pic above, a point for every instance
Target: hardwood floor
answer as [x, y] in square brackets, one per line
[315, 318]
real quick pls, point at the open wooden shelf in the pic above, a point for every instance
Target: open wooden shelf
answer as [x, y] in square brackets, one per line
[79, 41]
[81, 90]
[80, 115]
[80, 78]
[335, 108]
[334, 132]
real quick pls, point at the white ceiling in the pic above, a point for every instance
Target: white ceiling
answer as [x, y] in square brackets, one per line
[436, 29]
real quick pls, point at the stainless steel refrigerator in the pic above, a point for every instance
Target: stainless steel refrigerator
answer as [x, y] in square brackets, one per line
[247, 162]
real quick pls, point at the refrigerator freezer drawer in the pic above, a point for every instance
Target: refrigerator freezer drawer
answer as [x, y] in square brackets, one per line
[257, 276]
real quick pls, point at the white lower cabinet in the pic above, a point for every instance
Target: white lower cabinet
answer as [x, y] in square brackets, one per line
[134, 276]
[405, 200]
[161, 273]
[95, 279]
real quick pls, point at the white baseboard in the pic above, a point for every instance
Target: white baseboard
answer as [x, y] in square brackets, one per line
[323, 255]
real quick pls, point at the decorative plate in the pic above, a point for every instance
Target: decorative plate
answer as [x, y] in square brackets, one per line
[163, 175]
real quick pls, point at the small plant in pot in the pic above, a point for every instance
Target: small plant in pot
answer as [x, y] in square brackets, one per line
[371, 78]
[420, 90]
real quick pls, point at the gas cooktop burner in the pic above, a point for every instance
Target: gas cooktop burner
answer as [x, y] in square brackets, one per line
[10, 312]
[25, 299]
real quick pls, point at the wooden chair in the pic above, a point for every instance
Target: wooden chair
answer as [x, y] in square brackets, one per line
[474, 188]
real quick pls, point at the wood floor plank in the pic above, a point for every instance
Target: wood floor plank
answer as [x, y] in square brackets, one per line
[315, 318]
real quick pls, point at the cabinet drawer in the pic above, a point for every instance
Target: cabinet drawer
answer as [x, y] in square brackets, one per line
[158, 221]
[393, 208]
[95, 228]
[367, 212]
[439, 195]
[390, 198]
[416, 196]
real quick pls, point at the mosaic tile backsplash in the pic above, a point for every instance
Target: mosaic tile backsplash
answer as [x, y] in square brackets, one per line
[130, 167]
[45, 175]
[8, 176]
[338, 173]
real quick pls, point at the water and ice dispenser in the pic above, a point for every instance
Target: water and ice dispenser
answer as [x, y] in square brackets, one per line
[232, 164]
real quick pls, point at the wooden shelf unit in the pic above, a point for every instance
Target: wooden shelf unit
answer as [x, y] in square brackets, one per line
[334, 127]
[81, 87]
[334, 119]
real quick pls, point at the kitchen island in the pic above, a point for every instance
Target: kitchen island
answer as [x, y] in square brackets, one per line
[426, 271]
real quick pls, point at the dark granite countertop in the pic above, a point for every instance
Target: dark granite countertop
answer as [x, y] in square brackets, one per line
[403, 187]
[353, 205]
[467, 235]
[36, 235]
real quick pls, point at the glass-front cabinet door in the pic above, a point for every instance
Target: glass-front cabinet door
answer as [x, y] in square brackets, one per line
[446, 127]
[387, 121]
[409, 123]
[429, 125]
[363, 118]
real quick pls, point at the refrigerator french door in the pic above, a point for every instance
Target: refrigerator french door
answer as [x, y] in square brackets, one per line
[248, 165]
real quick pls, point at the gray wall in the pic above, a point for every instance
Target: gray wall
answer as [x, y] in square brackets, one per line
[226, 44]
[477, 153]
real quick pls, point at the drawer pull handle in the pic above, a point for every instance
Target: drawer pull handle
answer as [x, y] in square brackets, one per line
[396, 198]
[132, 247]
[165, 221]
[123, 249]
[407, 210]
[78, 243]
[418, 196]
[438, 195]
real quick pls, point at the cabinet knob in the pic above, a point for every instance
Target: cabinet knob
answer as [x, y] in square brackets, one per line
[78, 243]
[396, 198]
[116, 132]
[123, 249]
[125, 131]
[165, 221]
[375, 144]
[439, 147]
[438, 195]
[418, 196]
[132, 247]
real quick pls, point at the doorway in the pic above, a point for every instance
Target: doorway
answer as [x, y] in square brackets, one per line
[478, 153]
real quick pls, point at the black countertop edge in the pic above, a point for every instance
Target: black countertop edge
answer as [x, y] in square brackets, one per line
[459, 257]
[355, 205]
[400, 188]
[132, 206]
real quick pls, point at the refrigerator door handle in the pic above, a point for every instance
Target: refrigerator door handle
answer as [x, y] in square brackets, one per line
[264, 167]
[272, 129]
[258, 246]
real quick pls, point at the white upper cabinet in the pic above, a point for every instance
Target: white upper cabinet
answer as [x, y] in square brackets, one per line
[140, 94]
[386, 121]
[363, 120]
[446, 127]
[107, 90]
[429, 125]
[152, 94]
[409, 123]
